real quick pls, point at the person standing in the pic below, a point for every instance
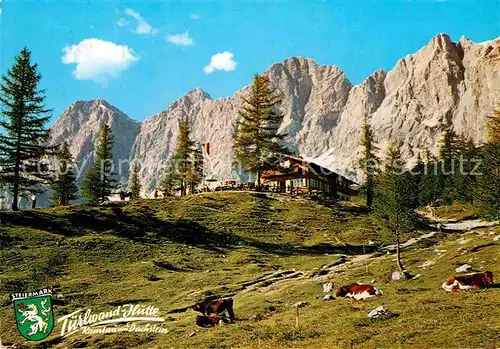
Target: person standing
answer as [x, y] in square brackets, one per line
[33, 201]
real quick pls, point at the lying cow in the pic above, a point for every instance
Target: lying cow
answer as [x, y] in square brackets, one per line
[358, 291]
[216, 306]
[210, 320]
[475, 281]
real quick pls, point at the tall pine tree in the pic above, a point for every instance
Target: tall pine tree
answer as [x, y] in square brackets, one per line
[396, 199]
[429, 189]
[168, 184]
[257, 142]
[135, 184]
[449, 152]
[184, 158]
[195, 171]
[369, 161]
[64, 185]
[487, 193]
[99, 182]
[24, 115]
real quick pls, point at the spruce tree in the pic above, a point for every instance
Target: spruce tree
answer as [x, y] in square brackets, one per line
[429, 189]
[64, 185]
[135, 184]
[182, 159]
[168, 184]
[395, 199]
[368, 162]
[464, 181]
[257, 142]
[449, 152]
[195, 171]
[99, 182]
[24, 140]
[487, 192]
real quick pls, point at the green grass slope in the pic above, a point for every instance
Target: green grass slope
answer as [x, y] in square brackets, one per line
[268, 252]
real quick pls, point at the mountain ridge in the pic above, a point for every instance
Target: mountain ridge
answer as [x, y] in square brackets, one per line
[443, 84]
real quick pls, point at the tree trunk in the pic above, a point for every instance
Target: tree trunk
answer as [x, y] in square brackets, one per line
[398, 255]
[15, 194]
[258, 179]
[369, 197]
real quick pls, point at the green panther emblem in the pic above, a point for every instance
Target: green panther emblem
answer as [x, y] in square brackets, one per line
[33, 312]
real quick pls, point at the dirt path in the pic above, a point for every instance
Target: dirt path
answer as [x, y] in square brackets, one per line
[454, 225]
[465, 225]
[270, 280]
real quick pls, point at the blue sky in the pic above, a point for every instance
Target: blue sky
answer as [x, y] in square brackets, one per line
[141, 58]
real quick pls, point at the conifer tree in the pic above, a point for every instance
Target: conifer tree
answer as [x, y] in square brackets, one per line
[195, 171]
[64, 186]
[464, 181]
[169, 182]
[449, 152]
[257, 142]
[396, 199]
[183, 157]
[99, 182]
[24, 140]
[135, 184]
[429, 189]
[487, 193]
[369, 161]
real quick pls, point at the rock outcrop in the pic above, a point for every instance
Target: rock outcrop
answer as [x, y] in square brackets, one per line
[80, 124]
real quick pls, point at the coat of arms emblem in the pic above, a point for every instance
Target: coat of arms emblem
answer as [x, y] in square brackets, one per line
[33, 313]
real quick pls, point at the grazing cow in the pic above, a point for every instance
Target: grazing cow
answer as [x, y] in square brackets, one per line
[358, 291]
[475, 281]
[210, 320]
[215, 306]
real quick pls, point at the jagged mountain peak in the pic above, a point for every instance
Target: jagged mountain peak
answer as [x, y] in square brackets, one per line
[198, 93]
[301, 66]
[442, 83]
[441, 40]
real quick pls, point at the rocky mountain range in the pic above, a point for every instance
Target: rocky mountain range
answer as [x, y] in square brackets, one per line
[443, 84]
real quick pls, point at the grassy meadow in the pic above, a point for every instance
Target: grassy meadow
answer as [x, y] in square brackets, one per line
[267, 252]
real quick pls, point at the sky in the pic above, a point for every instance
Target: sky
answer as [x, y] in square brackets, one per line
[141, 56]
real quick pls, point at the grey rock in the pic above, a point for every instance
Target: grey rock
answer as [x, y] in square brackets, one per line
[398, 275]
[463, 268]
[327, 287]
[380, 313]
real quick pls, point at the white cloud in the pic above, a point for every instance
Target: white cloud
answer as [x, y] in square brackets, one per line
[98, 60]
[0, 11]
[122, 22]
[180, 39]
[194, 16]
[221, 61]
[143, 27]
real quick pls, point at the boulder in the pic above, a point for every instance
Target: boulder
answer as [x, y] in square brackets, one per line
[327, 287]
[398, 275]
[463, 268]
[381, 313]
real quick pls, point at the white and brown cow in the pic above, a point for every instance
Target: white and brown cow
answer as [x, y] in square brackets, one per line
[475, 281]
[358, 291]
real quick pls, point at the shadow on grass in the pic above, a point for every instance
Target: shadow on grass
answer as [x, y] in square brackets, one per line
[143, 226]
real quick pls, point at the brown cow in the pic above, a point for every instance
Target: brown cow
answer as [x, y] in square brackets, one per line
[358, 291]
[215, 306]
[475, 281]
[210, 320]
